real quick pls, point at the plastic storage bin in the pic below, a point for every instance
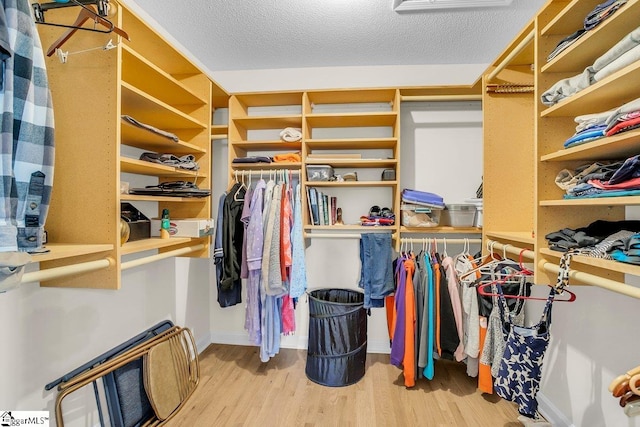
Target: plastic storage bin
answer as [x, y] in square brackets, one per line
[420, 216]
[337, 350]
[459, 215]
[319, 172]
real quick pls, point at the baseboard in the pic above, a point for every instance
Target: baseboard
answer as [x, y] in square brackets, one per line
[552, 413]
[296, 342]
[203, 343]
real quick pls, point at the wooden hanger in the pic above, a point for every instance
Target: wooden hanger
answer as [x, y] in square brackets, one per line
[87, 13]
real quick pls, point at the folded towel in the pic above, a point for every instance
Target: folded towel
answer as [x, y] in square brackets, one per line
[291, 135]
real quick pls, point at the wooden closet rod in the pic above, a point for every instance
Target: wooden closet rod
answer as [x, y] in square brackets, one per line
[507, 247]
[515, 52]
[163, 255]
[440, 240]
[438, 98]
[66, 270]
[590, 279]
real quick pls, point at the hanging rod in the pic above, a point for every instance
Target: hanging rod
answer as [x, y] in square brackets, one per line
[507, 247]
[247, 172]
[438, 98]
[340, 235]
[158, 257]
[66, 270]
[440, 240]
[590, 279]
[515, 52]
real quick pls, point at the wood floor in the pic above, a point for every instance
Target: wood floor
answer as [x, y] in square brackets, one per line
[236, 389]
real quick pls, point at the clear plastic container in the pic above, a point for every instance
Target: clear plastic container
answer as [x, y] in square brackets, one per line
[420, 216]
[459, 215]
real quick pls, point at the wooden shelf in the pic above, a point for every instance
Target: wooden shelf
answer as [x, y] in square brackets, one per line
[139, 198]
[351, 228]
[141, 73]
[610, 92]
[69, 250]
[268, 122]
[143, 167]
[355, 163]
[570, 19]
[441, 230]
[596, 201]
[604, 264]
[265, 166]
[351, 183]
[347, 96]
[352, 143]
[137, 137]
[272, 145]
[219, 130]
[615, 147]
[595, 42]
[514, 236]
[268, 99]
[352, 120]
[153, 243]
[147, 109]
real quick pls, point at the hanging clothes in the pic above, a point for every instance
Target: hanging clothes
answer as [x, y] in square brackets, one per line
[518, 378]
[227, 297]
[27, 132]
[254, 238]
[232, 236]
[298, 284]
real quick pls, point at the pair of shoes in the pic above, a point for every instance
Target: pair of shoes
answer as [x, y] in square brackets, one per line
[376, 211]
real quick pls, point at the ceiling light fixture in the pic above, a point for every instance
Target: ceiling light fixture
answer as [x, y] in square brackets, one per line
[417, 5]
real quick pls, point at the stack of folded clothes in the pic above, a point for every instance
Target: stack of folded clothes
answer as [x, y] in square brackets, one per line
[594, 240]
[422, 198]
[188, 161]
[607, 123]
[624, 53]
[592, 20]
[602, 179]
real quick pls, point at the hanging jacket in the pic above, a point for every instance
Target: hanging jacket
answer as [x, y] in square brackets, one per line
[232, 233]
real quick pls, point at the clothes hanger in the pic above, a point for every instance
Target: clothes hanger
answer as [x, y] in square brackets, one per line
[481, 290]
[624, 377]
[88, 12]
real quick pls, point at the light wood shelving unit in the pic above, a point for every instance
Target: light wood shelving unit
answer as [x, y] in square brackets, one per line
[526, 218]
[151, 81]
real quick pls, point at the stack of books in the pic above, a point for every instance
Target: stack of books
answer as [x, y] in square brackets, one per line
[322, 207]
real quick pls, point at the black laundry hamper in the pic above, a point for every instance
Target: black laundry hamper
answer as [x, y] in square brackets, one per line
[337, 350]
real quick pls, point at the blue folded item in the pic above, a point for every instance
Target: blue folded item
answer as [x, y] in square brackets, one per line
[422, 198]
[587, 134]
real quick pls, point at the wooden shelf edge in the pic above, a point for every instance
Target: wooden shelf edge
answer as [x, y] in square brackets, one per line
[599, 201]
[598, 148]
[69, 250]
[604, 264]
[154, 243]
[513, 236]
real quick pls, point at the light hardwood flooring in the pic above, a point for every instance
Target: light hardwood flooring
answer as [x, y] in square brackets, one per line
[236, 389]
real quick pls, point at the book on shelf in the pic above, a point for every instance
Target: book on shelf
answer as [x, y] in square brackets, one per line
[333, 208]
[320, 208]
[313, 206]
[326, 211]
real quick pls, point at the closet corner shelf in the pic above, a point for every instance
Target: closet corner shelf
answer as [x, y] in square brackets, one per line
[525, 237]
[441, 230]
[595, 201]
[348, 227]
[614, 147]
[352, 119]
[604, 264]
[69, 250]
[610, 92]
[268, 122]
[136, 137]
[219, 129]
[153, 243]
[569, 19]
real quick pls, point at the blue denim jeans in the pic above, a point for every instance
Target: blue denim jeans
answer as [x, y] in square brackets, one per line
[376, 273]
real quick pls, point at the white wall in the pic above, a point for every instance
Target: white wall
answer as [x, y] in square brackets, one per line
[49, 332]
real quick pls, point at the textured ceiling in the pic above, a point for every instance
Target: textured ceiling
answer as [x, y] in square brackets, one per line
[267, 34]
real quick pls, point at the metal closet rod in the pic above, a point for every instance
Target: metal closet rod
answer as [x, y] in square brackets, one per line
[586, 278]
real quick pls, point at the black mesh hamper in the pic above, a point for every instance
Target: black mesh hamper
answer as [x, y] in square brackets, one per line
[337, 349]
